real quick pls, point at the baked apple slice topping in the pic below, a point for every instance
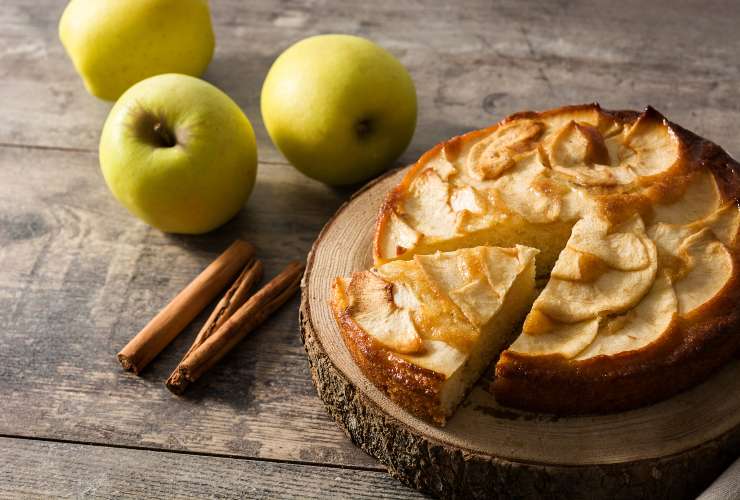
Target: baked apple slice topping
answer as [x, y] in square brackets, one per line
[725, 223]
[653, 317]
[405, 237]
[579, 144]
[650, 147]
[553, 337]
[437, 356]
[708, 269]
[429, 206]
[464, 281]
[372, 306]
[618, 272]
[622, 248]
[699, 199]
[495, 154]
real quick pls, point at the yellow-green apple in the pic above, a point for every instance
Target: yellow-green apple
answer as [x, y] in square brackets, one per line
[116, 43]
[179, 154]
[339, 107]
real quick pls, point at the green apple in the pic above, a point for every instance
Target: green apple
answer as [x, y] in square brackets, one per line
[339, 107]
[116, 43]
[179, 154]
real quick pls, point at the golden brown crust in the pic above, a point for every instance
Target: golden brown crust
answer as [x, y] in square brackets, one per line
[413, 387]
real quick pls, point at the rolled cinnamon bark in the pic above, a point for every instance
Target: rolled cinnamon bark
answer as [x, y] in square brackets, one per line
[171, 320]
[230, 303]
[257, 309]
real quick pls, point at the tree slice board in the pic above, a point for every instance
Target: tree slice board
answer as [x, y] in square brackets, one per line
[672, 449]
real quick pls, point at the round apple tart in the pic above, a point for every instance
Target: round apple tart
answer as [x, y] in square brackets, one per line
[633, 223]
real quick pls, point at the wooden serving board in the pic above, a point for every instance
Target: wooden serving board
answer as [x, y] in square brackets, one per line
[672, 449]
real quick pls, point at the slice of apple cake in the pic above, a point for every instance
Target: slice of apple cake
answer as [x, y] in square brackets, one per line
[423, 330]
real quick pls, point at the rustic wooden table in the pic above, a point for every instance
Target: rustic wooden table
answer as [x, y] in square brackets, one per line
[79, 276]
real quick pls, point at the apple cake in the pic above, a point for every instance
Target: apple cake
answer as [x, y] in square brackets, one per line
[636, 222]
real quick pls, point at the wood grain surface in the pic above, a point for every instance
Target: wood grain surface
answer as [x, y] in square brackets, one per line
[79, 276]
[38, 469]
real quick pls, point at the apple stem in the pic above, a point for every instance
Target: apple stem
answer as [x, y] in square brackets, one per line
[363, 128]
[161, 130]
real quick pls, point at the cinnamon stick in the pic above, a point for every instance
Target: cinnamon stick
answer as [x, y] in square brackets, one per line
[171, 320]
[250, 315]
[231, 301]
